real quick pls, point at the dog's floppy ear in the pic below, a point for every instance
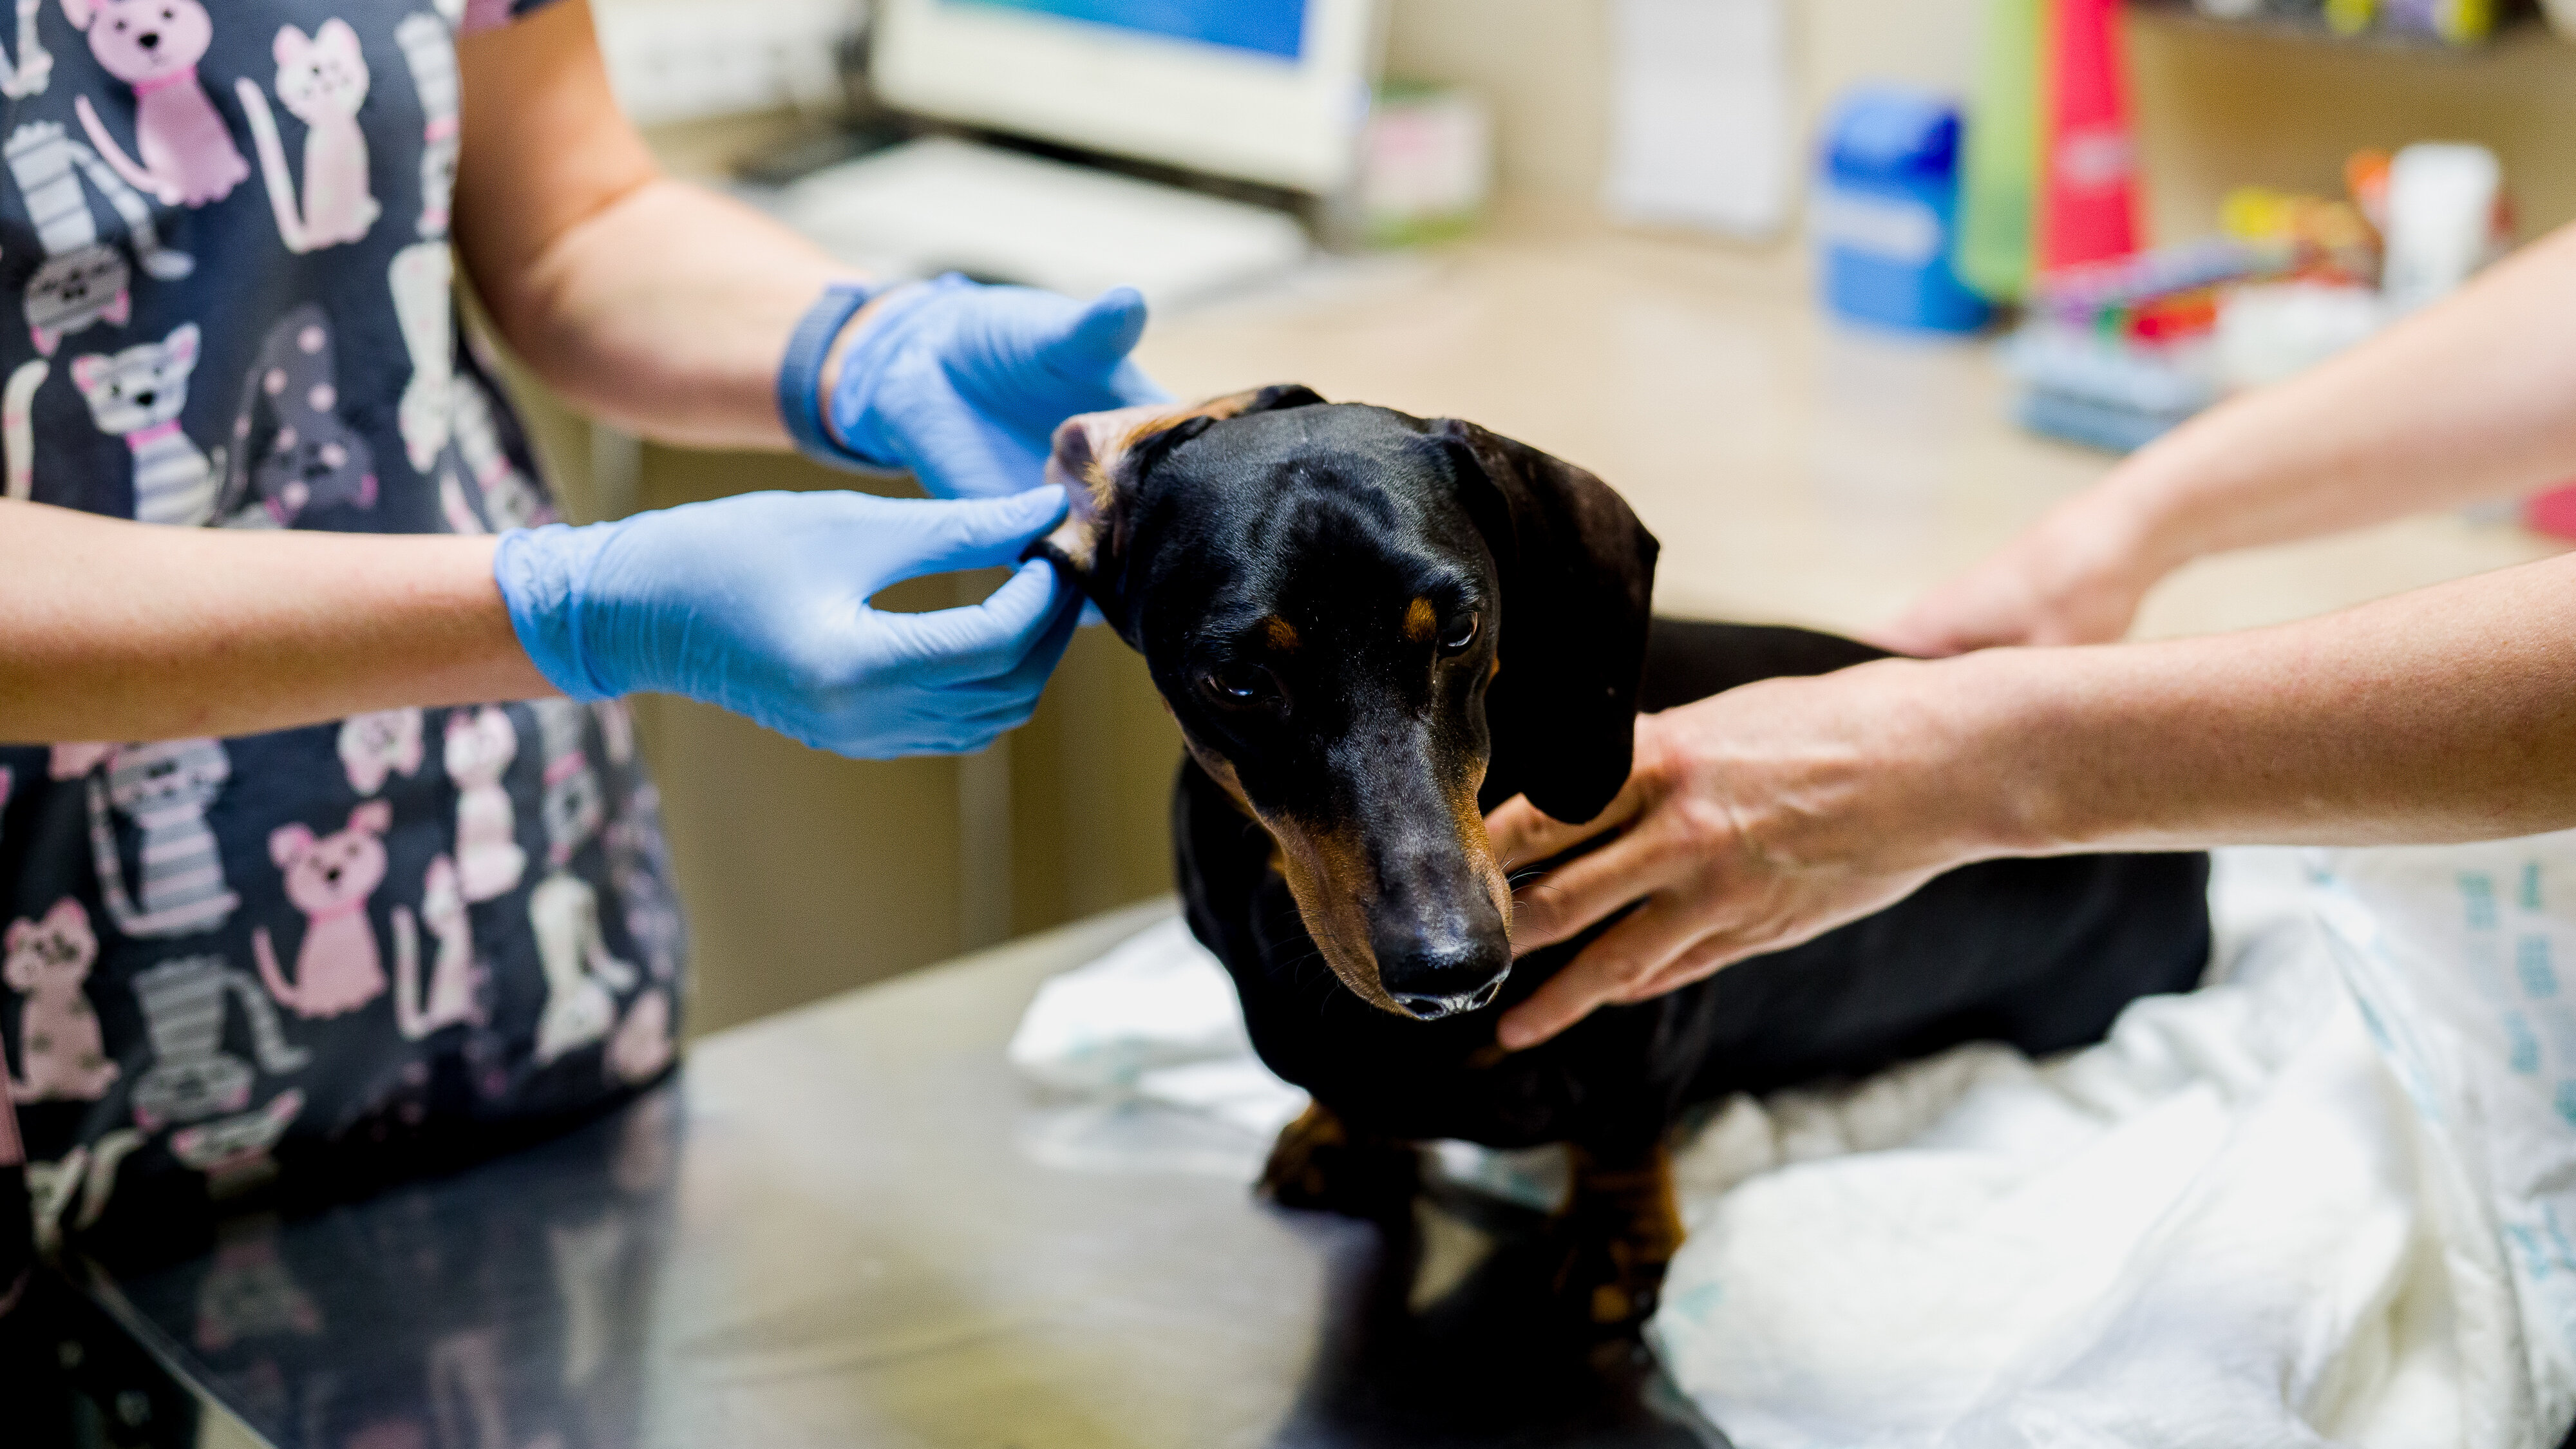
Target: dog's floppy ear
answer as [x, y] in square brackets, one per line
[1098, 459]
[1578, 575]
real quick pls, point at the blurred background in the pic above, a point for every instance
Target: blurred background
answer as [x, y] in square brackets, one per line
[1840, 294]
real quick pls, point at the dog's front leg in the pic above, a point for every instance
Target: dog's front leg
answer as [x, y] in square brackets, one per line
[1320, 1163]
[1619, 1229]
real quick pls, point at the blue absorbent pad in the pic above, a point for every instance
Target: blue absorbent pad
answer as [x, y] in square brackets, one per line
[2107, 426]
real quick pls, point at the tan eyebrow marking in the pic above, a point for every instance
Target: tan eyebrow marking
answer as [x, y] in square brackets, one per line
[1281, 634]
[1420, 621]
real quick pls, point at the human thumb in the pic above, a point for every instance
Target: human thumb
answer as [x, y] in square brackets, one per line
[1099, 336]
[982, 532]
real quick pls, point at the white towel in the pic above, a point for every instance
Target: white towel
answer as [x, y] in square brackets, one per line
[2330, 1197]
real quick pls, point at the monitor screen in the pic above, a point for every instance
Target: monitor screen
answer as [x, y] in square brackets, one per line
[1275, 91]
[1264, 27]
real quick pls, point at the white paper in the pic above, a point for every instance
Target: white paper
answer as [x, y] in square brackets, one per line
[1702, 129]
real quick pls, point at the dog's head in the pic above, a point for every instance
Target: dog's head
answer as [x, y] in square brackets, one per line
[1371, 627]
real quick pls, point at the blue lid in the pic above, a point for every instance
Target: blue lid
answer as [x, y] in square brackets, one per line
[1886, 130]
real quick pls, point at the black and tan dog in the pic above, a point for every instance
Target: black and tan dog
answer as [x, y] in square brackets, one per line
[1374, 627]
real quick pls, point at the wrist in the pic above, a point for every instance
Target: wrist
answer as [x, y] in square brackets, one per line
[544, 577]
[1975, 763]
[809, 371]
[2164, 505]
[2011, 751]
[861, 357]
[835, 360]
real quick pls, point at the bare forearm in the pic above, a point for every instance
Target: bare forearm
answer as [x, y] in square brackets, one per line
[669, 312]
[2447, 714]
[2472, 399]
[1760, 817]
[125, 631]
[655, 304]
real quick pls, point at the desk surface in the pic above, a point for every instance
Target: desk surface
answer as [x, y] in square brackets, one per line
[1795, 469]
[841, 1227]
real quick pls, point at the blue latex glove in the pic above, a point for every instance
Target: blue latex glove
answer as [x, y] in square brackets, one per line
[963, 384]
[759, 603]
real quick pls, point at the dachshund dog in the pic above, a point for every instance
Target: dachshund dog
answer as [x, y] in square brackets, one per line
[1372, 628]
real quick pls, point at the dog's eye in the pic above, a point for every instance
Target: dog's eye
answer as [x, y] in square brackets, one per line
[1461, 634]
[1241, 686]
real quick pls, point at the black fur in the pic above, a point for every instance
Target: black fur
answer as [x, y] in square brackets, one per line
[1331, 516]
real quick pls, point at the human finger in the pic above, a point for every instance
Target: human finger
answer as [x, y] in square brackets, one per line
[1704, 957]
[973, 533]
[1628, 955]
[1591, 981]
[1019, 685]
[1579, 894]
[1521, 834]
[972, 642]
[1047, 650]
[1098, 337]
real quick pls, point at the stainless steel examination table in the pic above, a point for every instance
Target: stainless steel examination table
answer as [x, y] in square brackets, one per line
[851, 1225]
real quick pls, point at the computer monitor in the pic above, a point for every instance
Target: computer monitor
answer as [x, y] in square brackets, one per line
[1273, 91]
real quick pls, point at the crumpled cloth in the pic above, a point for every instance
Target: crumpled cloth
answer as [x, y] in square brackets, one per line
[2330, 1197]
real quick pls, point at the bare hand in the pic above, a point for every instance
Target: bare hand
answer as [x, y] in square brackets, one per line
[2072, 579]
[1754, 820]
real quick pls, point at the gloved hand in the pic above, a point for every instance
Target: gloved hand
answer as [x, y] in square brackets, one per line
[963, 384]
[759, 603]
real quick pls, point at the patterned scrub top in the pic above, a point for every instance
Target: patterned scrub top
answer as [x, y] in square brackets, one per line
[284, 967]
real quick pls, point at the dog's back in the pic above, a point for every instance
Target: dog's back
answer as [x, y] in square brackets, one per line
[2041, 954]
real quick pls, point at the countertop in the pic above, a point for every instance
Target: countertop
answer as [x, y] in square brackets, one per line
[851, 1225]
[1797, 469]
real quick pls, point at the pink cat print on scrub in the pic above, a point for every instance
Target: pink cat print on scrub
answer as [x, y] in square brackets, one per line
[323, 80]
[329, 878]
[186, 152]
[59, 1046]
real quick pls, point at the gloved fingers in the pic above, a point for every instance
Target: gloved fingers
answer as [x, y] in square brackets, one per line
[1020, 686]
[1098, 338]
[939, 726]
[963, 444]
[991, 724]
[974, 533]
[979, 642]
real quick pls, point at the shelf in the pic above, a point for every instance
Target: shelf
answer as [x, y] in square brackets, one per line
[2521, 25]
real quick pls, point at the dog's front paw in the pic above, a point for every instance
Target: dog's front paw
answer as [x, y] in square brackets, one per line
[1616, 1237]
[1318, 1164]
[1608, 1282]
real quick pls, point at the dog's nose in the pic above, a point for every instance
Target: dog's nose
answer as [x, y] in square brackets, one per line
[1432, 1008]
[1433, 981]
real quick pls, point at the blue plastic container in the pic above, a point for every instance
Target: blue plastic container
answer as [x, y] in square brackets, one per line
[1886, 210]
